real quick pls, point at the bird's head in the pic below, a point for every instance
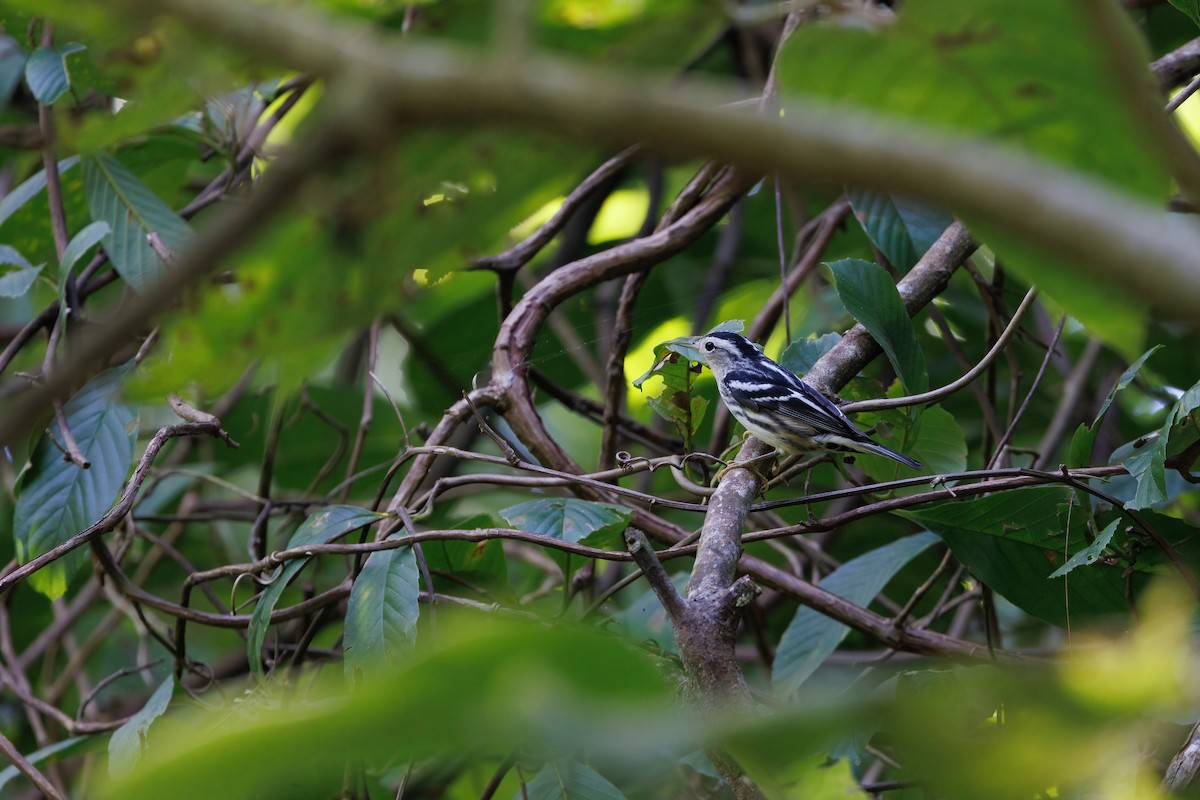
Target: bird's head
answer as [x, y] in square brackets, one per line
[721, 350]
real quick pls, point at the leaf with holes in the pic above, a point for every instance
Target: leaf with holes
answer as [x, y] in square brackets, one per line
[116, 196]
[567, 518]
[811, 636]
[381, 618]
[128, 741]
[326, 525]
[56, 498]
[870, 295]
[46, 72]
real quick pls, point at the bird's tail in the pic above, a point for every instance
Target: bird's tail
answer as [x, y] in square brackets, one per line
[887, 452]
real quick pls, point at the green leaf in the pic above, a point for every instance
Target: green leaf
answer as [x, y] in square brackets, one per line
[1189, 7]
[83, 241]
[1084, 440]
[116, 196]
[567, 518]
[66, 747]
[129, 741]
[58, 499]
[46, 72]
[29, 189]
[16, 282]
[1012, 541]
[801, 354]
[871, 297]
[482, 681]
[381, 618]
[1090, 554]
[939, 444]
[12, 67]
[324, 526]
[1001, 70]
[904, 229]
[810, 636]
[570, 780]
[1148, 463]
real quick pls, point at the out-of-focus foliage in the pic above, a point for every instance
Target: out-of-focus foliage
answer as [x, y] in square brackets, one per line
[428, 645]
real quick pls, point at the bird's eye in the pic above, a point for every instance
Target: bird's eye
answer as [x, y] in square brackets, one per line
[709, 346]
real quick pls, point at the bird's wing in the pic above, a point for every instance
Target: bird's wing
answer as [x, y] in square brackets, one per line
[796, 399]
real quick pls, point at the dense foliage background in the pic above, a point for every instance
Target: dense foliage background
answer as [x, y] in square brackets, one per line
[342, 458]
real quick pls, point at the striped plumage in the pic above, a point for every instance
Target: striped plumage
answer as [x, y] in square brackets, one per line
[778, 407]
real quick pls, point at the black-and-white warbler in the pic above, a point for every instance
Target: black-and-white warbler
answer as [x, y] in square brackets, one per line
[776, 406]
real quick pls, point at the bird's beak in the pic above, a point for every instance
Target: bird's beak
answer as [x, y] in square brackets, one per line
[686, 346]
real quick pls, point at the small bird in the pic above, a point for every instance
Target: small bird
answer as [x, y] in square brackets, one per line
[776, 406]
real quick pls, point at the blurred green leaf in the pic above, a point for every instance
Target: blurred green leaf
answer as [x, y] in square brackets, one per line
[12, 67]
[16, 282]
[115, 196]
[810, 636]
[381, 619]
[871, 296]
[570, 780]
[46, 72]
[1001, 69]
[63, 749]
[552, 687]
[1189, 7]
[58, 499]
[323, 526]
[902, 228]
[128, 742]
[567, 518]
[30, 188]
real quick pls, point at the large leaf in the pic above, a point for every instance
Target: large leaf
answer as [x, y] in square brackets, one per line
[871, 297]
[116, 196]
[325, 525]
[381, 618]
[811, 636]
[1001, 69]
[939, 443]
[904, 229]
[801, 354]
[568, 519]
[1014, 540]
[46, 72]
[128, 741]
[58, 499]
[1189, 7]
[570, 780]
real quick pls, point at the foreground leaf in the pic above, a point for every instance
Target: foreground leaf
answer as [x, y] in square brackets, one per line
[46, 72]
[129, 741]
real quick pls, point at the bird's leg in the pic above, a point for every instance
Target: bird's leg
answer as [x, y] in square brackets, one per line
[748, 465]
